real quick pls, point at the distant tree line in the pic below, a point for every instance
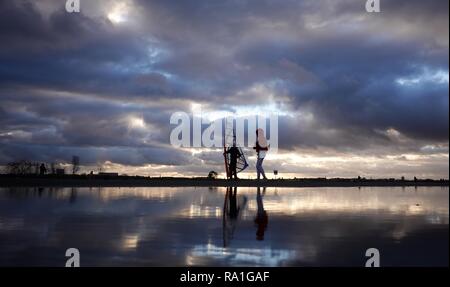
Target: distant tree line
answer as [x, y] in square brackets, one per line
[22, 167]
[25, 167]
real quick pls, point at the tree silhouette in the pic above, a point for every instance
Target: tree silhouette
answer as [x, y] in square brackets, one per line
[212, 174]
[75, 164]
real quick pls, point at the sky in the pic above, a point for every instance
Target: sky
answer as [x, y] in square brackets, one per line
[357, 93]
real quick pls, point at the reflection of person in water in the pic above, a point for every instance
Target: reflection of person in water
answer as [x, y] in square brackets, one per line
[232, 208]
[262, 218]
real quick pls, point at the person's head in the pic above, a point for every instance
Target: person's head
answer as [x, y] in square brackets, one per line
[261, 138]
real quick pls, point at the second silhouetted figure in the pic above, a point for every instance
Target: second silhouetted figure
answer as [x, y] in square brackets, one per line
[234, 155]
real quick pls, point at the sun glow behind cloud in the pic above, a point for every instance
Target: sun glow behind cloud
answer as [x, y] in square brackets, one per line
[136, 122]
[119, 13]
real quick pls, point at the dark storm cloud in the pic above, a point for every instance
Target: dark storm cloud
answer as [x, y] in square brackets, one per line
[74, 83]
[347, 76]
[72, 53]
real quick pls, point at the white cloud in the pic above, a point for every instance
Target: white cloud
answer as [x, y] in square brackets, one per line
[427, 76]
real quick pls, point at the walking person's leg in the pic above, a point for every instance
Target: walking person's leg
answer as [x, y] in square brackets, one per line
[258, 168]
[235, 172]
[262, 169]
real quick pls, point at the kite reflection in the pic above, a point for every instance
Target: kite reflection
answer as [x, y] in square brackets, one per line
[232, 207]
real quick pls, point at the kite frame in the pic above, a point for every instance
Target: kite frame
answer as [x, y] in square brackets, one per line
[242, 163]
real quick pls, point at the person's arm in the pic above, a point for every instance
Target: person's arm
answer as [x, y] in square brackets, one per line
[257, 147]
[261, 148]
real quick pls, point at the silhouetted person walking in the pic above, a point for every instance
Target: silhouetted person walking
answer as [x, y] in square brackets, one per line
[42, 169]
[261, 148]
[234, 155]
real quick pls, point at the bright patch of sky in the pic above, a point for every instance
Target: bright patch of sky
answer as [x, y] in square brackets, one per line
[427, 76]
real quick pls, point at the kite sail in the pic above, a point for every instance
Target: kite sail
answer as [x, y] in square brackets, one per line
[229, 139]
